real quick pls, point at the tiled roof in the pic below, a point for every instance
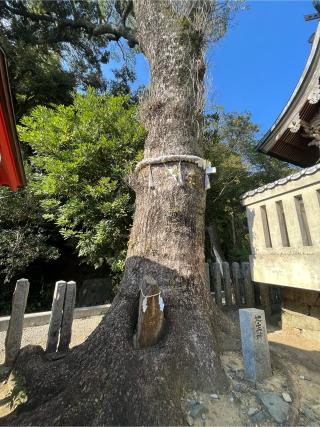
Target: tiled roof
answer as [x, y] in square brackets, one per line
[283, 181]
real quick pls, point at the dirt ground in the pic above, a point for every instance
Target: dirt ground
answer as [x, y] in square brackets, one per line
[295, 371]
[300, 357]
[37, 335]
[12, 391]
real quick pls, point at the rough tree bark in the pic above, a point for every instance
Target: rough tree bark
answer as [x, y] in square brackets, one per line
[106, 381]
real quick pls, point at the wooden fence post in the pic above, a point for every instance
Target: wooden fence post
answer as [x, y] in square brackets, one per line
[14, 332]
[265, 299]
[227, 283]
[67, 318]
[248, 285]
[56, 316]
[236, 283]
[216, 276]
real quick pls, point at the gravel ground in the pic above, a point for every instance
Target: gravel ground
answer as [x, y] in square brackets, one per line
[37, 335]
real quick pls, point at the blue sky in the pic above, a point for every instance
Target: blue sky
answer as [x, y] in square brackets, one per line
[256, 66]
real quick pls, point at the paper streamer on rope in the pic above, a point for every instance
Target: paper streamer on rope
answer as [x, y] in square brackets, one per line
[144, 304]
[145, 301]
[161, 303]
[180, 178]
[208, 171]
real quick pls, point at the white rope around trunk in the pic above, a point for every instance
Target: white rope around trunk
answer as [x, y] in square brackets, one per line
[199, 161]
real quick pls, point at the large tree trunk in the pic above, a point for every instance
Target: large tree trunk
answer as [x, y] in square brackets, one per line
[107, 380]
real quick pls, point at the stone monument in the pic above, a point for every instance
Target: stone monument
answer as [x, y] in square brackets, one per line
[255, 347]
[67, 317]
[56, 316]
[14, 333]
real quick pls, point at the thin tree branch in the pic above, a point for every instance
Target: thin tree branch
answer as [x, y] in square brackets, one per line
[128, 9]
[113, 33]
[227, 184]
[120, 47]
[24, 12]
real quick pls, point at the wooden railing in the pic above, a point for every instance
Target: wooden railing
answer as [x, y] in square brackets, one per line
[231, 284]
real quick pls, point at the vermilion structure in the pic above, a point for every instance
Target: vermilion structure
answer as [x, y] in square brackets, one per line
[11, 165]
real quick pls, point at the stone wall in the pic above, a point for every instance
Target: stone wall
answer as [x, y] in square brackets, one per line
[301, 312]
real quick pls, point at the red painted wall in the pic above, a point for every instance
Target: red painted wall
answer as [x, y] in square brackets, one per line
[9, 175]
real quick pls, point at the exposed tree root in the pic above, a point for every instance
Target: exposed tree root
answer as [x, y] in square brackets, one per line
[105, 381]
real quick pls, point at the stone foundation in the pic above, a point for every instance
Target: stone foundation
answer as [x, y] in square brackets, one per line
[301, 312]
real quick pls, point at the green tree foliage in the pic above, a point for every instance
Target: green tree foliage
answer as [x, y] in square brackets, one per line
[230, 141]
[48, 58]
[36, 77]
[121, 84]
[82, 154]
[24, 235]
[80, 157]
[35, 71]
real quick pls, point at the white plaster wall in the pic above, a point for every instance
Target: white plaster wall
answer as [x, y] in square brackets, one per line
[298, 265]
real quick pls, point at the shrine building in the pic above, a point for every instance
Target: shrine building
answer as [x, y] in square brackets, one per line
[284, 216]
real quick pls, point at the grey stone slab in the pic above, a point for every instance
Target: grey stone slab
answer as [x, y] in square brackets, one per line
[197, 410]
[276, 406]
[67, 318]
[252, 411]
[259, 417]
[43, 317]
[96, 310]
[255, 347]
[14, 333]
[56, 316]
